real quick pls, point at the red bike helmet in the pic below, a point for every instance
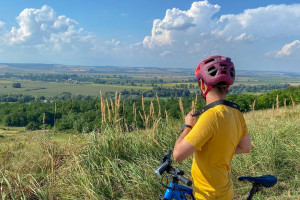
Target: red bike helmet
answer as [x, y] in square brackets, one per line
[214, 70]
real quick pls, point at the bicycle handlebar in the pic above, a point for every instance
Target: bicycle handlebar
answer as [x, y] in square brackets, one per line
[185, 180]
[166, 162]
[162, 168]
[176, 173]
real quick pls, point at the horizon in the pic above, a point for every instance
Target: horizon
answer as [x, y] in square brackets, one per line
[162, 34]
[182, 68]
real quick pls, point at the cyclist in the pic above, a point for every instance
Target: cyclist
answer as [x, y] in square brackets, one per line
[219, 133]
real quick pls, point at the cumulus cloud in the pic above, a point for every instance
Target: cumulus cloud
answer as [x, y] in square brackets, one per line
[176, 20]
[199, 24]
[43, 29]
[291, 49]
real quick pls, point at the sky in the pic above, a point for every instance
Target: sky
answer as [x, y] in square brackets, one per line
[258, 34]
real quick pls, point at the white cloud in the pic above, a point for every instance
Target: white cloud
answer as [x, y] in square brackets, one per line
[124, 14]
[180, 26]
[273, 20]
[2, 25]
[291, 49]
[181, 38]
[176, 20]
[165, 53]
[43, 29]
[197, 32]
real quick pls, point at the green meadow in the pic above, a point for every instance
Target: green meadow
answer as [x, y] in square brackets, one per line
[113, 164]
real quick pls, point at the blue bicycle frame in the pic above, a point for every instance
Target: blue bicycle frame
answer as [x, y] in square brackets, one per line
[177, 191]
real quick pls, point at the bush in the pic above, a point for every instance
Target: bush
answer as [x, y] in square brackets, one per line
[32, 126]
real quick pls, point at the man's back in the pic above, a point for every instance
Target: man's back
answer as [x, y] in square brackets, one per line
[216, 135]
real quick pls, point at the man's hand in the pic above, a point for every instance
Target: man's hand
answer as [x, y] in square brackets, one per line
[189, 119]
[183, 149]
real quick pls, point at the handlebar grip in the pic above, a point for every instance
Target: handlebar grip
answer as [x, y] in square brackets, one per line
[162, 167]
[185, 180]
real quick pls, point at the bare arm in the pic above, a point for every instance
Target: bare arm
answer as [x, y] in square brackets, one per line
[183, 149]
[244, 146]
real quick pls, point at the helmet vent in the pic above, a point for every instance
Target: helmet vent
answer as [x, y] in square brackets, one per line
[212, 71]
[232, 73]
[223, 72]
[209, 61]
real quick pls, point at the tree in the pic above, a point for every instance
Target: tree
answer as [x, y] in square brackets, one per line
[16, 85]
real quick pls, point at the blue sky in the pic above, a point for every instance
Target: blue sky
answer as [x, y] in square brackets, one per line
[256, 34]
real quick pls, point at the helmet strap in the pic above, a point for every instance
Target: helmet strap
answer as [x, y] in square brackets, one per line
[227, 88]
[207, 90]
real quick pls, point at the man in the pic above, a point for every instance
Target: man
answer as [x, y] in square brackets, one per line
[219, 133]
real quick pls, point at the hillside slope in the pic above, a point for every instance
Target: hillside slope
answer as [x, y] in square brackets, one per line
[120, 165]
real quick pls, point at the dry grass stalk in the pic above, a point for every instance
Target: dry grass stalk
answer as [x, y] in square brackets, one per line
[151, 111]
[193, 106]
[134, 111]
[102, 107]
[253, 105]
[167, 117]
[143, 105]
[159, 109]
[181, 108]
[293, 102]
[155, 125]
[116, 100]
[44, 117]
[284, 103]
[117, 105]
[119, 100]
[141, 116]
[112, 106]
[196, 101]
[156, 142]
[126, 126]
[108, 109]
[147, 121]
[277, 102]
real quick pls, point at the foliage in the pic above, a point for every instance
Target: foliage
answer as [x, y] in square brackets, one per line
[16, 85]
[88, 114]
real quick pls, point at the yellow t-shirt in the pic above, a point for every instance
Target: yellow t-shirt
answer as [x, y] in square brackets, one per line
[216, 135]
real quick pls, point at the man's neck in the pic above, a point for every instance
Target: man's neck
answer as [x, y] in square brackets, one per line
[210, 98]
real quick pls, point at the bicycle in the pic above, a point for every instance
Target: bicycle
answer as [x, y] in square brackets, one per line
[176, 191]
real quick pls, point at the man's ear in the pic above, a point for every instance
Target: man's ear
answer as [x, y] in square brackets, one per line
[203, 85]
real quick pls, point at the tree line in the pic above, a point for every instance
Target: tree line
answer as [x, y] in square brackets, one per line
[88, 114]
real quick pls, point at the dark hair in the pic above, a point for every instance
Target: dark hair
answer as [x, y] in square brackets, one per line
[221, 87]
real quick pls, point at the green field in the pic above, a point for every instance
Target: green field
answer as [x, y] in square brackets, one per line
[50, 89]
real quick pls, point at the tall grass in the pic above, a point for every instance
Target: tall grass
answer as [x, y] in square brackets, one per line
[120, 166]
[113, 164]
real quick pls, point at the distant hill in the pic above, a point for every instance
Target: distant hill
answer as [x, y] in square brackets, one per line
[59, 68]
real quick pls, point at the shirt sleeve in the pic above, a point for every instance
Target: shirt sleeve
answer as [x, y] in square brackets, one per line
[203, 131]
[244, 125]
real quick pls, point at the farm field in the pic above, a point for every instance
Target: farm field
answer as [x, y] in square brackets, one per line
[50, 89]
[138, 79]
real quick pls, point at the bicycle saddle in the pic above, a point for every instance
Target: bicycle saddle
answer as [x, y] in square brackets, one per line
[265, 180]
